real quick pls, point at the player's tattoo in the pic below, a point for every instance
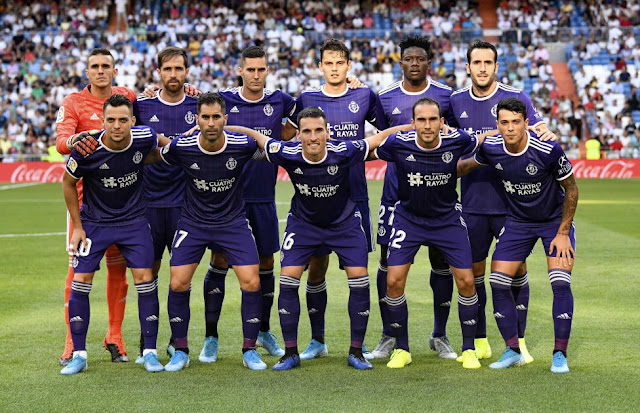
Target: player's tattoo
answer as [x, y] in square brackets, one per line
[569, 205]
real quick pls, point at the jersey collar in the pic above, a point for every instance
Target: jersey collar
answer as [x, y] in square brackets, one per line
[326, 152]
[415, 93]
[249, 100]
[224, 146]
[427, 149]
[114, 150]
[504, 146]
[170, 103]
[489, 96]
[322, 89]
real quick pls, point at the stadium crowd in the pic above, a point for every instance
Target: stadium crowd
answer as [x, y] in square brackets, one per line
[43, 47]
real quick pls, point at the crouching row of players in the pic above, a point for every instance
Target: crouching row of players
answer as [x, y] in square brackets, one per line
[322, 215]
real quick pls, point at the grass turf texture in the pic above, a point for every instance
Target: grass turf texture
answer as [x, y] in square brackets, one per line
[604, 371]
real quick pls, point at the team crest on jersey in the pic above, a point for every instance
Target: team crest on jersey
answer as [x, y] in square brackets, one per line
[189, 117]
[268, 109]
[231, 164]
[381, 230]
[332, 169]
[447, 157]
[274, 147]
[353, 107]
[74, 262]
[137, 157]
[72, 164]
[532, 169]
[60, 117]
[494, 111]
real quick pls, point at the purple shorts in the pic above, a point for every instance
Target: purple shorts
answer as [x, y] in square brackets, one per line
[518, 238]
[133, 240]
[302, 240]
[482, 230]
[365, 216]
[163, 222]
[385, 222]
[410, 233]
[263, 219]
[234, 239]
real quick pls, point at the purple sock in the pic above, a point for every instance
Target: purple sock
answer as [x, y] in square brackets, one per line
[179, 316]
[468, 314]
[399, 320]
[441, 282]
[520, 290]
[250, 310]
[317, 306]
[79, 314]
[359, 305]
[381, 283]
[562, 307]
[289, 310]
[267, 286]
[504, 308]
[148, 312]
[213, 297]
[481, 290]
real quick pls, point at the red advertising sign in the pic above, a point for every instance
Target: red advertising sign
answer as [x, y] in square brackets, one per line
[53, 172]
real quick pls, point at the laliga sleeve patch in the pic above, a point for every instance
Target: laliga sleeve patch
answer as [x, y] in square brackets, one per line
[60, 117]
[274, 147]
[72, 164]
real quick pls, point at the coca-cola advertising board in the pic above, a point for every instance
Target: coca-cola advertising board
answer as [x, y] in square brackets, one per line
[52, 172]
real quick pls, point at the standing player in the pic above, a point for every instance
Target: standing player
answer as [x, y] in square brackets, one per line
[322, 216]
[213, 217]
[542, 196]
[428, 214]
[483, 200]
[346, 111]
[397, 101]
[260, 109]
[170, 112]
[113, 213]
[81, 112]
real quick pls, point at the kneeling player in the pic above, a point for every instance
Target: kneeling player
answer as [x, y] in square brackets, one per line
[113, 212]
[213, 216]
[542, 197]
[428, 213]
[322, 215]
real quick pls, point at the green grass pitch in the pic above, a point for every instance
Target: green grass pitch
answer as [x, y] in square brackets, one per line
[604, 370]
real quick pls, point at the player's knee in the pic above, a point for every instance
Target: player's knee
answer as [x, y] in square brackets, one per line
[86, 278]
[179, 285]
[250, 284]
[522, 270]
[141, 275]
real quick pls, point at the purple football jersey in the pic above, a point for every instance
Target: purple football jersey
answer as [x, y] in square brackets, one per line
[530, 178]
[164, 184]
[346, 114]
[112, 180]
[427, 177]
[322, 189]
[214, 179]
[481, 190]
[397, 105]
[265, 116]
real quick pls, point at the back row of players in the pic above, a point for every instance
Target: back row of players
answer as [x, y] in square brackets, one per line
[330, 211]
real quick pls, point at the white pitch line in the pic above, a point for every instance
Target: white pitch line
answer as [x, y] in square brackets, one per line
[41, 234]
[5, 187]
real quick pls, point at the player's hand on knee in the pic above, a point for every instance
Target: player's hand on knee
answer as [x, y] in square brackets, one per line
[78, 240]
[150, 91]
[84, 142]
[565, 254]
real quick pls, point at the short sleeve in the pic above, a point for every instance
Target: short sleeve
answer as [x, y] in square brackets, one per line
[480, 156]
[561, 167]
[357, 151]
[75, 165]
[169, 153]
[469, 141]
[385, 150]
[273, 150]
